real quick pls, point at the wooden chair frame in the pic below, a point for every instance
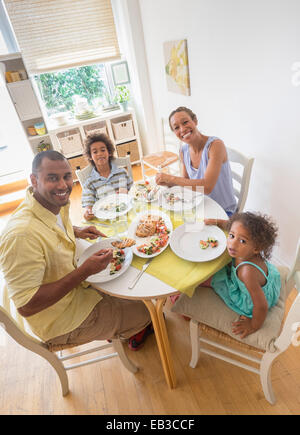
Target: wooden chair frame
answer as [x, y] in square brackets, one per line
[282, 342]
[165, 158]
[56, 360]
[242, 181]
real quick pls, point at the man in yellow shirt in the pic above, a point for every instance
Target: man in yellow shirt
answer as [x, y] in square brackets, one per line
[37, 256]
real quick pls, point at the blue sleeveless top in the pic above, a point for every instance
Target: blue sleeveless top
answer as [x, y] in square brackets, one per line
[236, 295]
[222, 193]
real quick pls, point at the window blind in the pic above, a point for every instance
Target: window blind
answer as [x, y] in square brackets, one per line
[60, 34]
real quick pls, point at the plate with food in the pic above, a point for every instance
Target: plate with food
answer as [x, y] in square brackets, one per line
[179, 198]
[122, 259]
[205, 245]
[151, 232]
[112, 206]
[145, 190]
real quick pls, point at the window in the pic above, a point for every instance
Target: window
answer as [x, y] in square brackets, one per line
[60, 34]
[69, 90]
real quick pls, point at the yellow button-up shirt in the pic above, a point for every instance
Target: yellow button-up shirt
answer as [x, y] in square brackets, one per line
[34, 250]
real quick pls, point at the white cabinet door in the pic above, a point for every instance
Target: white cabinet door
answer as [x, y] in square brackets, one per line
[24, 100]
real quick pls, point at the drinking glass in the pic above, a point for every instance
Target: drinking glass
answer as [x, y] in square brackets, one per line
[121, 226]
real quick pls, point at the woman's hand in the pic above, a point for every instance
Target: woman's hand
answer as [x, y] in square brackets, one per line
[88, 214]
[90, 232]
[164, 179]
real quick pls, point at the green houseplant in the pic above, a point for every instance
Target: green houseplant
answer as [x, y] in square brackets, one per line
[122, 96]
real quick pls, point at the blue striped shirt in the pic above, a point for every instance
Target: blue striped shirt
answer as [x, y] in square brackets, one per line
[97, 186]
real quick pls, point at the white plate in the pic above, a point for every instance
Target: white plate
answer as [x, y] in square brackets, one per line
[138, 190]
[141, 240]
[187, 244]
[104, 275]
[113, 200]
[186, 198]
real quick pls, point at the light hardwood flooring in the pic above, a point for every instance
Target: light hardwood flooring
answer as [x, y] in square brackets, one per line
[29, 385]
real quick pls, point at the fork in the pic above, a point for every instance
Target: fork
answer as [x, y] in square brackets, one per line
[140, 274]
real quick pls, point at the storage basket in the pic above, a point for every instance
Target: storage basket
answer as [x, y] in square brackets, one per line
[70, 141]
[96, 127]
[130, 148]
[79, 162]
[122, 128]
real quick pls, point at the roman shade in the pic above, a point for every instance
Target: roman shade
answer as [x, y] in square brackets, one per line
[61, 34]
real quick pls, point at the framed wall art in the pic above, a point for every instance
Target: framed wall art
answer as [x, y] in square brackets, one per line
[120, 73]
[177, 66]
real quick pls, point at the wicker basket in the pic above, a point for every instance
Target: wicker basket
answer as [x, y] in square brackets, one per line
[96, 127]
[70, 141]
[122, 128]
[130, 148]
[79, 162]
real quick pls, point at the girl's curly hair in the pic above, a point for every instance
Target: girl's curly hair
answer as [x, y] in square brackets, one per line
[262, 229]
[98, 137]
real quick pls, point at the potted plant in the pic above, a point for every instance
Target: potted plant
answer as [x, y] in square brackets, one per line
[122, 96]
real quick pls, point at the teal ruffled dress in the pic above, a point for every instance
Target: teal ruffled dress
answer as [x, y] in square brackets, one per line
[234, 292]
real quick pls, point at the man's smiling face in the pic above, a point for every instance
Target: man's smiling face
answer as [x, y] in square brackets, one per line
[52, 184]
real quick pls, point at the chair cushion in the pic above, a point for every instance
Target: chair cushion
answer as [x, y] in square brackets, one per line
[207, 307]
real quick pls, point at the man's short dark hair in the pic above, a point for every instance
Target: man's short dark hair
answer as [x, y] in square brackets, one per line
[49, 154]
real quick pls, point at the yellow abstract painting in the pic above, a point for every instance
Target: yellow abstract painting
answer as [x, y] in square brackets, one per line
[177, 67]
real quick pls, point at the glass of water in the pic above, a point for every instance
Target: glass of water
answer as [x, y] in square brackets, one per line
[121, 226]
[189, 219]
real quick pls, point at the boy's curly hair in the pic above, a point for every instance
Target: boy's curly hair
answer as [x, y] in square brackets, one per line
[98, 137]
[262, 229]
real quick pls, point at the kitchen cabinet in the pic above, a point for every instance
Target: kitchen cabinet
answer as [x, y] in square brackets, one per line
[24, 99]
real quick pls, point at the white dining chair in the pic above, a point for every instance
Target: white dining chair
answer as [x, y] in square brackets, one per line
[121, 162]
[211, 324]
[15, 326]
[168, 157]
[241, 167]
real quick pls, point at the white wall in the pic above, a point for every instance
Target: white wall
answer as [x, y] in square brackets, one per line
[18, 156]
[241, 55]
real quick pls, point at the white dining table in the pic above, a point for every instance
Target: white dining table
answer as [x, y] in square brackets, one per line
[153, 292]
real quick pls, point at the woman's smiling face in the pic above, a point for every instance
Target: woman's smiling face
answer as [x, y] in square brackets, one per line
[184, 126]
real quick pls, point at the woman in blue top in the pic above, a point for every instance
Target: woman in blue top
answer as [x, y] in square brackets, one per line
[204, 161]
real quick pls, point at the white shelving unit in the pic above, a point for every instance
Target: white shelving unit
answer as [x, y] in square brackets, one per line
[24, 99]
[121, 127]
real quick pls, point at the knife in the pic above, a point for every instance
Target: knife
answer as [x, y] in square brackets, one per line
[141, 273]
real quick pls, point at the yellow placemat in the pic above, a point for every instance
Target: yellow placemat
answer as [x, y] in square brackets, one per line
[181, 274]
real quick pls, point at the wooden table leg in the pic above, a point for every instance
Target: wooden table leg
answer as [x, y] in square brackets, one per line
[162, 340]
[159, 310]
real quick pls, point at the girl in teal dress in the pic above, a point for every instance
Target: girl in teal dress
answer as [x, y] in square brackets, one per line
[250, 285]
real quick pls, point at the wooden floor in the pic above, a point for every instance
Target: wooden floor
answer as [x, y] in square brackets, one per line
[29, 385]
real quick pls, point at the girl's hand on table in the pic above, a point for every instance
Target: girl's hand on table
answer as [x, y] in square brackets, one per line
[90, 232]
[221, 223]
